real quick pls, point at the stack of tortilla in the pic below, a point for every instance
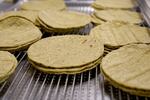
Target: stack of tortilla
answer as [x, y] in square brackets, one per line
[17, 33]
[113, 4]
[68, 54]
[62, 21]
[115, 35]
[8, 65]
[95, 20]
[112, 15]
[43, 5]
[128, 68]
[29, 15]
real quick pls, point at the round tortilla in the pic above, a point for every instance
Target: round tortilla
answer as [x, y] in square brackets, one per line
[43, 5]
[17, 33]
[8, 64]
[66, 51]
[113, 4]
[119, 16]
[128, 68]
[115, 35]
[29, 15]
[49, 29]
[63, 20]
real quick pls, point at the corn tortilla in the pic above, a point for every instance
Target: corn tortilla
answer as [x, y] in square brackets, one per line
[29, 15]
[67, 71]
[128, 68]
[124, 16]
[115, 35]
[43, 5]
[8, 64]
[65, 51]
[63, 20]
[16, 32]
[96, 20]
[113, 4]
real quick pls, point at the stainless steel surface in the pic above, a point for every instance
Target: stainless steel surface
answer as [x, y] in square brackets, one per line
[148, 3]
[28, 83]
[6, 5]
[144, 6]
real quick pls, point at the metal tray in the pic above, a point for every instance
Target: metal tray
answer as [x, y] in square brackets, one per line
[28, 83]
[6, 5]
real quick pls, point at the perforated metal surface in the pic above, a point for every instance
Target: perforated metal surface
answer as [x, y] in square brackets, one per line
[28, 83]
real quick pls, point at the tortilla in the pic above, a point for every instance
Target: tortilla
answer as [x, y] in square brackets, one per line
[65, 51]
[68, 70]
[29, 15]
[113, 4]
[124, 16]
[8, 64]
[3, 80]
[128, 68]
[63, 20]
[43, 5]
[96, 20]
[115, 35]
[16, 32]
[49, 29]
